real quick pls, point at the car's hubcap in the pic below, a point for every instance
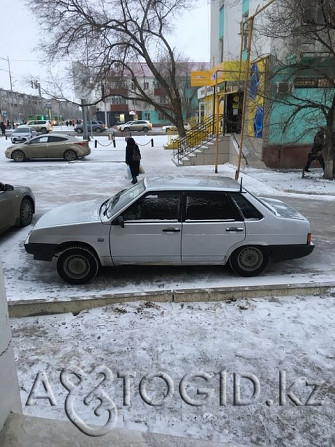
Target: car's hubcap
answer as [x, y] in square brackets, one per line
[26, 212]
[76, 267]
[250, 259]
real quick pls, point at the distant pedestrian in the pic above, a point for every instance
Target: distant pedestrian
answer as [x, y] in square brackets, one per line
[3, 128]
[67, 123]
[316, 151]
[133, 157]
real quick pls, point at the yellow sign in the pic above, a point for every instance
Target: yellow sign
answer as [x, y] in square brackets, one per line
[226, 71]
[200, 78]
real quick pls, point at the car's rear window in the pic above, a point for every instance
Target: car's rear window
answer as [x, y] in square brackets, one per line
[280, 209]
[247, 209]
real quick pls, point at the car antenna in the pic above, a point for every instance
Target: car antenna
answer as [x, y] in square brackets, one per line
[241, 184]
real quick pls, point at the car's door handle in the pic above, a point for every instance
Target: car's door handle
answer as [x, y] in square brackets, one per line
[234, 229]
[171, 230]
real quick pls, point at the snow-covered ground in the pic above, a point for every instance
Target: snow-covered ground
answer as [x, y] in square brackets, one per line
[257, 360]
[101, 175]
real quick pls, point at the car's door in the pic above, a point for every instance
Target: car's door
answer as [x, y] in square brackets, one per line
[211, 225]
[8, 209]
[57, 146]
[151, 231]
[37, 148]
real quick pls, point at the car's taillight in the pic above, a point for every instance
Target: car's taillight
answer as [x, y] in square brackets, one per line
[82, 143]
[309, 238]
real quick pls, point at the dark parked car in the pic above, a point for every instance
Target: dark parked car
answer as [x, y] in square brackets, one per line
[95, 126]
[17, 206]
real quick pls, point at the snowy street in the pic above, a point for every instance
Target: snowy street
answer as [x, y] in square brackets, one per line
[249, 371]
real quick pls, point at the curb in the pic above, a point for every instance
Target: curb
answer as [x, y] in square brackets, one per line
[27, 308]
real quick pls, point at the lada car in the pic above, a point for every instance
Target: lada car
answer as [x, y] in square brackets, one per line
[173, 221]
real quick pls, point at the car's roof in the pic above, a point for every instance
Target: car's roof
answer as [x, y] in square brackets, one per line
[192, 183]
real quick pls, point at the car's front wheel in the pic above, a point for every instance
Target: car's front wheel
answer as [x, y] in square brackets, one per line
[145, 129]
[249, 260]
[70, 155]
[79, 130]
[18, 156]
[98, 130]
[44, 130]
[26, 212]
[77, 265]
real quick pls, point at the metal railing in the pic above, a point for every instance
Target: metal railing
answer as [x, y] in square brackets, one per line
[196, 137]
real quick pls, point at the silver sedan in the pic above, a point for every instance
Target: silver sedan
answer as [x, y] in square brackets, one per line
[171, 221]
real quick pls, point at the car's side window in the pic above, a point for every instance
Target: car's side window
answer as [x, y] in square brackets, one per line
[41, 140]
[55, 139]
[248, 210]
[210, 206]
[155, 206]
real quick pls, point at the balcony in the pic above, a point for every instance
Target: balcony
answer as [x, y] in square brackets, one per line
[121, 91]
[119, 107]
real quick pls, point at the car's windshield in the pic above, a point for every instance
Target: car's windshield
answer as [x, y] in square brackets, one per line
[22, 130]
[122, 198]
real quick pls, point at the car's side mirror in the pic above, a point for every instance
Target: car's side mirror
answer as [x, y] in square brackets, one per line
[9, 187]
[120, 221]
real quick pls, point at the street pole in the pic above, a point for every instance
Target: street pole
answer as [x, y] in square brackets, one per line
[246, 80]
[84, 112]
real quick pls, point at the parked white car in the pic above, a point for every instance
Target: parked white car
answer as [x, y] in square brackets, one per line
[22, 133]
[172, 221]
[171, 127]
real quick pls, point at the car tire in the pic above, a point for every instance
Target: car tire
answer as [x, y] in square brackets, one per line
[26, 212]
[249, 260]
[145, 129]
[70, 155]
[44, 130]
[77, 265]
[18, 155]
[98, 130]
[79, 130]
[126, 129]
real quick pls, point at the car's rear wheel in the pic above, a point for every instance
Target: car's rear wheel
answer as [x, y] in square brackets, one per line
[98, 130]
[26, 212]
[44, 130]
[70, 155]
[18, 155]
[79, 130]
[77, 265]
[126, 129]
[249, 260]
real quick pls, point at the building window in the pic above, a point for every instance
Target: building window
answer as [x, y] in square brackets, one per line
[146, 116]
[146, 86]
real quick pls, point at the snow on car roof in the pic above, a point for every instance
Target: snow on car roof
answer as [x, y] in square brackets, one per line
[192, 183]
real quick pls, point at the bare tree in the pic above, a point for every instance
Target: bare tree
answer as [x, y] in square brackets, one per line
[305, 32]
[109, 36]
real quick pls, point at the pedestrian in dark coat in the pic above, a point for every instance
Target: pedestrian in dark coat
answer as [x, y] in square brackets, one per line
[3, 128]
[133, 157]
[316, 151]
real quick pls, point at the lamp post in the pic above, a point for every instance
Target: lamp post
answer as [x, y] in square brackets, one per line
[246, 79]
[217, 121]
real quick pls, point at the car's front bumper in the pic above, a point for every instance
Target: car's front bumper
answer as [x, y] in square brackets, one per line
[42, 252]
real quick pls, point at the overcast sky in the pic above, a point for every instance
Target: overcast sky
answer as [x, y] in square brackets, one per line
[19, 36]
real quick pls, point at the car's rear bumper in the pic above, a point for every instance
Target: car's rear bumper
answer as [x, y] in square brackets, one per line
[285, 252]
